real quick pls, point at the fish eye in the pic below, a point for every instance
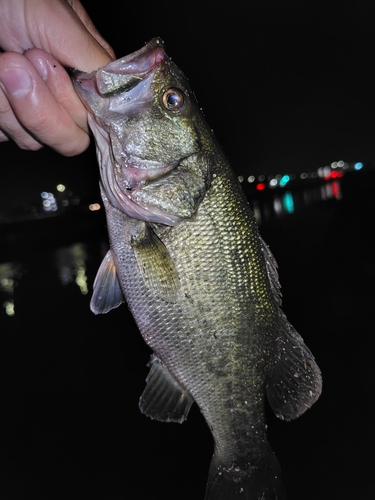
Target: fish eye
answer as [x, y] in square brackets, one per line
[173, 99]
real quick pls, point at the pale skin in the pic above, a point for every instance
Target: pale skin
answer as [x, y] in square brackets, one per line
[38, 105]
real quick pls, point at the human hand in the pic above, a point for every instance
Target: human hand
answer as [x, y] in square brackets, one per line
[38, 105]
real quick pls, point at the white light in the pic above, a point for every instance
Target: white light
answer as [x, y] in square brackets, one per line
[9, 308]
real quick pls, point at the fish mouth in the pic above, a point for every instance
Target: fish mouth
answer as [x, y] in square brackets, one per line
[121, 75]
[113, 94]
[121, 185]
[121, 180]
[136, 172]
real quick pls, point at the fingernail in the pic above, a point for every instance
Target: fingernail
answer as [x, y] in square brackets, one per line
[16, 81]
[41, 67]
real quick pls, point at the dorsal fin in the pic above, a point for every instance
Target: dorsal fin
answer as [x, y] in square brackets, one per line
[107, 292]
[296, 381]
[163, 398]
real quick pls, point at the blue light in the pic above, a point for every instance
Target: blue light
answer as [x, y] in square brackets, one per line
[288, 202]
[358, 165]
[284, 180]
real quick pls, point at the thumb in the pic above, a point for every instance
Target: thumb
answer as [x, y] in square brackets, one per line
[60, 27]
[73, 39]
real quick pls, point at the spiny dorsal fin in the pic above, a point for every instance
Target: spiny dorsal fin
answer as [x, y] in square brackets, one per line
[107, 292]
[163, 399]
[296, 381]
[156, 265]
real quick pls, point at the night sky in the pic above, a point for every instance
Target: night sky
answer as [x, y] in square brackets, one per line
[286, 87]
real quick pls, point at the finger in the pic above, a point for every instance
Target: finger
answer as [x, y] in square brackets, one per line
[3, 137]
[10, 126]
[59, 84]
[57, 28]
[36, 109]
[65, 36]
[4, 110]
[87, 22]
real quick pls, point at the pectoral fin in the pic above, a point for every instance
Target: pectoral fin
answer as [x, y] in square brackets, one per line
[163, 399]
[107, 291]
[156, 265]
[296, 381]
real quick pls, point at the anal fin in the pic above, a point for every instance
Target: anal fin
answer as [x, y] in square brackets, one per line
[163, 399]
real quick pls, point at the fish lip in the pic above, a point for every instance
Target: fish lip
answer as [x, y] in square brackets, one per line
[122, 74]
[133, 173]
[155, 44]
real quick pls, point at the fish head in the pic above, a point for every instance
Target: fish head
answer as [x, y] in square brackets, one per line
[148, 129]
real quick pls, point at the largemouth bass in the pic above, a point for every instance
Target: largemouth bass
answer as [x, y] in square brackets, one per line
[186, 255]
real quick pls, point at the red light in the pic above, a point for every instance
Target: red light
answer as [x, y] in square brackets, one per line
[260, 186]
[335, 174]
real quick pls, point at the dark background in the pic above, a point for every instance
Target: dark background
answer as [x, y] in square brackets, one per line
[287, 87]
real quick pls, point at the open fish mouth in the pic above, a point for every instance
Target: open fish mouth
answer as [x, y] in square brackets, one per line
[123, 88]
[134, 112]
[123, 74]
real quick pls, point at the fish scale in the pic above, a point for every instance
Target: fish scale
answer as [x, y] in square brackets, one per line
[186, 255]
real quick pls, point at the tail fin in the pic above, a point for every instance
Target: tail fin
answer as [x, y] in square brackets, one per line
[246, 482]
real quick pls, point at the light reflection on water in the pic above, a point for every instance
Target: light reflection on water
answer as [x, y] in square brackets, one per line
[10, 275]
[272, 208]
[70, 263]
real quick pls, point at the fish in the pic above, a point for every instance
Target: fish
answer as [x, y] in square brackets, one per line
[186, 255]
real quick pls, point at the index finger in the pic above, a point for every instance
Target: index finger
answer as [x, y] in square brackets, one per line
[62, 29]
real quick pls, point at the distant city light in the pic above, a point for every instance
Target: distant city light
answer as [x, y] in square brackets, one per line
[358, 165]
[49, 202]
[260, 186]
[336, 174]
[9, 307]
[284, 180]
[94, 206]
[60, 188]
